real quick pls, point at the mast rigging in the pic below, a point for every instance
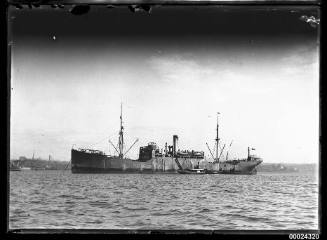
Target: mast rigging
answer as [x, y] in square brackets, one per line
[131, 146]
[210, 152]
[217, 138]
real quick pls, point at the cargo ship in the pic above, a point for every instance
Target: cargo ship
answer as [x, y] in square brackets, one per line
[153, 160]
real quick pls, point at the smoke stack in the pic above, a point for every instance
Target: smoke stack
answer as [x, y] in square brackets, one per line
[166, 149]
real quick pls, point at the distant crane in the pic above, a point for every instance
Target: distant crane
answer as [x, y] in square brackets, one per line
[228, 150]
[67, 165]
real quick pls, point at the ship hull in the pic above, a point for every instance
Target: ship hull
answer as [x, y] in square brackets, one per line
[82, 162]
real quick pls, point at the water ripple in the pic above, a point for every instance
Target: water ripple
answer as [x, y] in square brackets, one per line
[59, 199]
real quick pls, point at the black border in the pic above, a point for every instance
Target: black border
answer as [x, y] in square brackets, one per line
[69, 233]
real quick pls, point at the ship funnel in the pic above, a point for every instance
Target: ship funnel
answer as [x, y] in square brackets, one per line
[175, 138]
[166, 149]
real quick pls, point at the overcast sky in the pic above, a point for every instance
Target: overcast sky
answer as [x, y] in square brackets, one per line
[173, 70]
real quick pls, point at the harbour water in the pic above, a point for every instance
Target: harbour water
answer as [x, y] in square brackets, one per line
[62, 200]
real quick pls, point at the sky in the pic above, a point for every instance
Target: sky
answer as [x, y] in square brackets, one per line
[173, 70]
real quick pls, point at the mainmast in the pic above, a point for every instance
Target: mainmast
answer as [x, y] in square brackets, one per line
[217, 139]
[121, 134]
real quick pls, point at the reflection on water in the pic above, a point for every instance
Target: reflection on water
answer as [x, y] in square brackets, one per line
[59, 199]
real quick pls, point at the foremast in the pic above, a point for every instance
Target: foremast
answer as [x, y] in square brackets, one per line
[121, 143]
[121, 134]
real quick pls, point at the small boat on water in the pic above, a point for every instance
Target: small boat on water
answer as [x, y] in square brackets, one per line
[208, 171]
[192, 171]
[15, 166]
[25, 168]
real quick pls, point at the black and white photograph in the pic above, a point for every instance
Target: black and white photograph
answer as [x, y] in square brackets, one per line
[164, 117]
